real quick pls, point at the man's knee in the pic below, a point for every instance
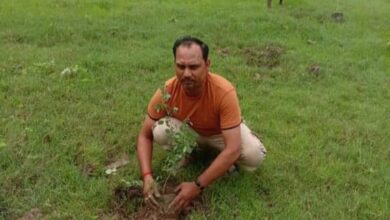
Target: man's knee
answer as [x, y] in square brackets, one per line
[251, 158]
[162, 128]
[253, 151]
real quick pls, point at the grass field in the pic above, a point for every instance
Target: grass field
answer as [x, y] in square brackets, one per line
[327, 131]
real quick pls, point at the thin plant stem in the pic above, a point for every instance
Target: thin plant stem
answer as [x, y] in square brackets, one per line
[165, 183]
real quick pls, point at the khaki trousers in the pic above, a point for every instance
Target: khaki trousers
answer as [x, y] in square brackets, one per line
[252, 154]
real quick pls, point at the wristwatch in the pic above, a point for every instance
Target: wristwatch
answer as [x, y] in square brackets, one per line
[197, 183]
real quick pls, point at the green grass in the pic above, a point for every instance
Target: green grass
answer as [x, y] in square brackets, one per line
[327, 136]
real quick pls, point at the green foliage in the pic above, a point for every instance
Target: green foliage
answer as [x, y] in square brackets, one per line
[164, 107]
[183, 139]
[183, 143]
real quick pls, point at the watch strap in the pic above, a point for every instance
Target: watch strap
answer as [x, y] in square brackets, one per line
[199, 185]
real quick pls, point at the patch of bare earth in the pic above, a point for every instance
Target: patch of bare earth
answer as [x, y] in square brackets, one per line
[33, 214]
[127, 203]
[223, 52]
[338, 17]
[264, 56]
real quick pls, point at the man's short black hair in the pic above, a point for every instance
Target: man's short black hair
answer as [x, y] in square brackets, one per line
[188, 40]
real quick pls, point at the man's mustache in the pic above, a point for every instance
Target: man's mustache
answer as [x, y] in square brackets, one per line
[187, 80]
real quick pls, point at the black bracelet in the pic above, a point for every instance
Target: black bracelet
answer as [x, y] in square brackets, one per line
[197, 183]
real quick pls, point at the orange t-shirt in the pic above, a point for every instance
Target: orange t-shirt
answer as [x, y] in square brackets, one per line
[217, 108]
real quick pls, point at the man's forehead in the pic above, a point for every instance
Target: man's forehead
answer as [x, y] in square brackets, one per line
[188, 59]
[189, 55]
[189, 47]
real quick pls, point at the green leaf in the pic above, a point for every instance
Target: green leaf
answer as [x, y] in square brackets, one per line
[166, 96]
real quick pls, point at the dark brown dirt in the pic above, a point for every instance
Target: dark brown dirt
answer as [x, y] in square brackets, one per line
[265, 56]
[47, 139]
[125, 200]
[128, 203]
[338, 17]
[314, 69]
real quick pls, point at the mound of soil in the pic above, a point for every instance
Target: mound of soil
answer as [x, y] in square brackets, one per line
[338, 17]
[268, 56]
[148, 213]
[125, 201]
[128, 203]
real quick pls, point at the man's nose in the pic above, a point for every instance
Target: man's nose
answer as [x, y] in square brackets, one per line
[187, 72]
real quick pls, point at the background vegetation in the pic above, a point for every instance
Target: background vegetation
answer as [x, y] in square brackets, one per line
[317, 91]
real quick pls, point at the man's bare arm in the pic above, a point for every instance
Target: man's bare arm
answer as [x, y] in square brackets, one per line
[187, 191]
[144, 152]
[230, 154]
[145, 145]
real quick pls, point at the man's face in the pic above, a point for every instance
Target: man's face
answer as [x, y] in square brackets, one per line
[191, 68]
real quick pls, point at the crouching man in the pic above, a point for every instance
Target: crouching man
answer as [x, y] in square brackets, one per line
[209, 104]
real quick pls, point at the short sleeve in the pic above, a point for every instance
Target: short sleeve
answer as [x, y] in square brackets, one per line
[230, 113]
[153, 107]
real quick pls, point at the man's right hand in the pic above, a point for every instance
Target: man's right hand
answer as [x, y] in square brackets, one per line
[151, 192]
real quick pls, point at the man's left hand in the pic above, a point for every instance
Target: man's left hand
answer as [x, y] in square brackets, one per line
[187, 191]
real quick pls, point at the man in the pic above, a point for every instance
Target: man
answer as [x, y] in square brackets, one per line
[209, 104]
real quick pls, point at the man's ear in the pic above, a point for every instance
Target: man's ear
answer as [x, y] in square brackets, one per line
[208, 63]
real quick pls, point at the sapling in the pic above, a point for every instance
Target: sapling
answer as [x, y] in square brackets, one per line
[182, 139]
[183, 142]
